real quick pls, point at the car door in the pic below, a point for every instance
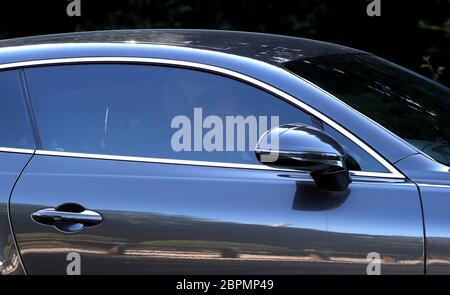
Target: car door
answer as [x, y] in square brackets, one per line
[16, 148]
[132, 155]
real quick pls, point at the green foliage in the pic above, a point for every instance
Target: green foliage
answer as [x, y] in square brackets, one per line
[436, 73]
[443, 29]
[404, 33]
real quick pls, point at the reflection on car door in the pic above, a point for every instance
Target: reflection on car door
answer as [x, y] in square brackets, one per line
[162, 213]
[16, 148]
[170, 219]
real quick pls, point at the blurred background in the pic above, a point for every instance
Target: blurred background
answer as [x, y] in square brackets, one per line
[414, 34]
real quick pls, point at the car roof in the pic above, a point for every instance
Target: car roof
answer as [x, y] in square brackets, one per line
[273, 49]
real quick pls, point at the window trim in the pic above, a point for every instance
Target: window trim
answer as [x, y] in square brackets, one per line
[393, 172]
[16, 150]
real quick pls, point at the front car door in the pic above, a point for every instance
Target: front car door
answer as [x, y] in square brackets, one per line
[172, 202]
[16, 148]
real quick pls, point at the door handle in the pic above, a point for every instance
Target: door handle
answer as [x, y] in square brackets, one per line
[67, 217]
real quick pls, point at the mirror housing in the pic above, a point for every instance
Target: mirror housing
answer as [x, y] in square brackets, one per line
[305, 148]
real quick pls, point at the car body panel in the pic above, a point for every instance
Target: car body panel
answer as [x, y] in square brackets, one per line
[178, 219]
[436, 203]
[433, 180]
[11, 164]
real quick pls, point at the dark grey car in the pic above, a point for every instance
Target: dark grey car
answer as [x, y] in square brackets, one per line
[93, 182]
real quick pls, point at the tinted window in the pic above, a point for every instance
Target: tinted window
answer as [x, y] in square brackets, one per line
[15, 131]
[129, 110]
[414, 108]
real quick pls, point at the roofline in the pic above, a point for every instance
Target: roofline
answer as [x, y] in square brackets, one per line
[335, 46]
[177, 30]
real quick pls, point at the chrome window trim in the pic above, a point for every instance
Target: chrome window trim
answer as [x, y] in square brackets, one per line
[16, 150]
[187, 162]
[393, 172]
[153, 160]
[433, 185]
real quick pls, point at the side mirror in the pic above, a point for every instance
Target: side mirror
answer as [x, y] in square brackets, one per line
[305, 148]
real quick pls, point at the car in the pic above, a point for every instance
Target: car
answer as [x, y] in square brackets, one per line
[218, 152]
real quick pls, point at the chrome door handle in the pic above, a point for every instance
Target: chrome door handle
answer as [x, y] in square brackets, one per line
[67, 221]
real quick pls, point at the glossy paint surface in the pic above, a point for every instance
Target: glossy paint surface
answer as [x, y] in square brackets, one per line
[11, 165]
[436, 204]
[273, 49]
[185, 219]
[177, 219]
[433, 180]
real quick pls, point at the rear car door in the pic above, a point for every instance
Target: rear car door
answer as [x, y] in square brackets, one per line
[110, 138]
